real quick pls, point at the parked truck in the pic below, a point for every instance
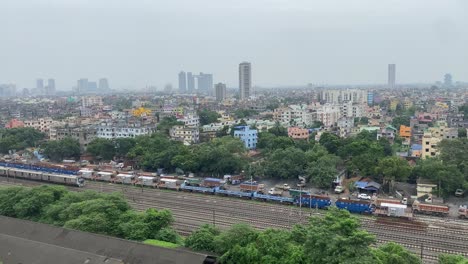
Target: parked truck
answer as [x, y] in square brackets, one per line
[463, 212]
[252, 187]
[432, 209]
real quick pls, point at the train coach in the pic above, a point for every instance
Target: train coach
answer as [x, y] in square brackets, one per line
[35, 175]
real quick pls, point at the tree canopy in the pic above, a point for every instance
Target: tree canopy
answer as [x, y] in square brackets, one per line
[87, 211]
[57, 150]
[19, 138]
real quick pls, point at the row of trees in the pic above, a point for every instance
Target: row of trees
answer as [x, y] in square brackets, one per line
[219, 156]
[87, 211]
[335, 238]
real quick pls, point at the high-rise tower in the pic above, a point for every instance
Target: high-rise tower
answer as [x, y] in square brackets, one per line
[245, 80]
[391, 75]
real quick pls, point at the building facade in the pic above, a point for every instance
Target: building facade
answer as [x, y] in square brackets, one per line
[247, 135]
[220, 89]
[111, 130]
[187, 135]
[298, 133]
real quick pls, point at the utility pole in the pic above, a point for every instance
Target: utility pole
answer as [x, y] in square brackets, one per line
[422, 247]
[214, 218]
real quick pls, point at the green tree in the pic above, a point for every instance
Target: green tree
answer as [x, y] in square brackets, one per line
[19, 138]
[392, 253]
[330, 141]
[102, 148]
[285, 163]
[462, 132]
[167, 123]
[203, 239]
[278, 130]
[323, 171]
[400, 120]
[452, 259]
[208, 117]
[238, 234]
[447, 177]
[336, 238]
[58, 150]
[392, 169]
[170, 235]
[123, 146]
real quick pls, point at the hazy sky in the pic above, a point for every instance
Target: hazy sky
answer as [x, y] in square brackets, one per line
[147, 42]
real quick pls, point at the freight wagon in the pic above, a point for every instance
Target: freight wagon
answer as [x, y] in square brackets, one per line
[354, 206]
[394, 210]
[314, 201]
[221, 191]
[264, 197]
[188, 188]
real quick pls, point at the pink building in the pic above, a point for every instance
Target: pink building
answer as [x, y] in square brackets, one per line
[14, 123]
[298, 133]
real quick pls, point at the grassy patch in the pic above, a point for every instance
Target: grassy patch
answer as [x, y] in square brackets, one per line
[160, 243]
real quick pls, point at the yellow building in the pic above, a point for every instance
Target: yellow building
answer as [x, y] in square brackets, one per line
[429, 144]
[393, 104]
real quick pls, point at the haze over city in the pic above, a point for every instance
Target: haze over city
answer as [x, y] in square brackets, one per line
[141, 43]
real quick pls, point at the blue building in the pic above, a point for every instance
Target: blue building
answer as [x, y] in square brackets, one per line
[370, 98]
[247, 135]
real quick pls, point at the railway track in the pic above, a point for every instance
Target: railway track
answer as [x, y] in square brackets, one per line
[190, 210]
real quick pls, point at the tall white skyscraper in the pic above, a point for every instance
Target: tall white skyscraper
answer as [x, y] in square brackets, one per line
[245, 80]
[391, 75]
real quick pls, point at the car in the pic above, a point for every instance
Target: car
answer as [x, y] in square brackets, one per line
[459, 193]
[339, 189]
[364, 196]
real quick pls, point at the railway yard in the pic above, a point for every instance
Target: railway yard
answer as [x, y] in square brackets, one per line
[427, 236]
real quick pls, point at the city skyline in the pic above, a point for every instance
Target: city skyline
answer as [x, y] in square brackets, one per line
[294, 43]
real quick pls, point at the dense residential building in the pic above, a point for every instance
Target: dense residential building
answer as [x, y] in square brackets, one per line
[405, 133]
[14, 123]
[339, 96]
[190, 120]
[187, 135]
[247, 135]
[90, 101]
[298, 133]
[429, 145]
[41, 124]
[345, 125]
[220, 89]
[245, 80]
[391, 75]
[111, 130]
[182, 82]
[328, 114]
[84, 135]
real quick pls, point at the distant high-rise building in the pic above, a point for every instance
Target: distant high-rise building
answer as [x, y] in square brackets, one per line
[190, 82]
[50, 89]
[40, 85]
[391, 75]
[182, 82]
[103, 84]
[245, 80]
[92, 86]
[205, 83]
[82, 85]
[448, 79]
[220, 89]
